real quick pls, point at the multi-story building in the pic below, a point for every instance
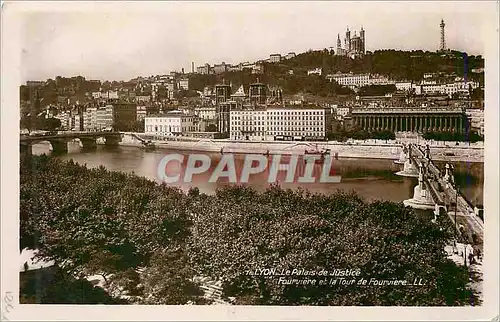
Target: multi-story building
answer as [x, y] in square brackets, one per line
[476, 119]
[220, 68]
[77, 123]
[170, 123]
[124, 115]
[66, 120]
[290, 55]
[142, 98]
[235, 68]
[275, 58]
[90, 119]
[206, 112]
[448, 88]
[183, 83]
[410, 119]
[205, 69]
[403, 86]
[342, 111]
[258, 68]
[105, 117]
[171, 89]
[358, 80]
[112, 95]
[278, 123]
[307, 122]
[315, 71]
[142, 112]
[248, 124]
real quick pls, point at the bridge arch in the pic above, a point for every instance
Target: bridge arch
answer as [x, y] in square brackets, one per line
[59, 142]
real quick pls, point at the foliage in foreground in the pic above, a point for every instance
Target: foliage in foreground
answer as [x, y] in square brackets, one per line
[151, 239]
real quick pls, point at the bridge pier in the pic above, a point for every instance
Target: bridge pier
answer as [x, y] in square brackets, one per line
[89, 143]
[112, 140]
[59, 146]
[26, 149]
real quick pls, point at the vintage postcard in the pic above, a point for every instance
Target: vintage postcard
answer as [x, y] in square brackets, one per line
[250, 160]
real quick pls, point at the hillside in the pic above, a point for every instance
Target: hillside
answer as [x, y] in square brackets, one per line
[398, 65]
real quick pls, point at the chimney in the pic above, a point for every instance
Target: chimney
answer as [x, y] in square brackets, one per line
[192, 67]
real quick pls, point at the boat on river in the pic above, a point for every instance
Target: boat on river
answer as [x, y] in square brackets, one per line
[149, 146]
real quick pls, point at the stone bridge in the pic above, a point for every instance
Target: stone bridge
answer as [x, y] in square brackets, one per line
[437, 190]
[60, 141]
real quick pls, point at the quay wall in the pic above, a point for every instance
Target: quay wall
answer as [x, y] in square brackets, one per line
[372, 149]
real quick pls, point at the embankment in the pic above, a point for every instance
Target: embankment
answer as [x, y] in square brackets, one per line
[372, 149]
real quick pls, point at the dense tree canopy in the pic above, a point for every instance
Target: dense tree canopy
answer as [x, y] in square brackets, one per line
[398, 65]
[470, 136]
[152, 240]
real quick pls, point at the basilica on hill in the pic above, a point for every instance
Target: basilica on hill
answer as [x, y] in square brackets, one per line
[354, 46]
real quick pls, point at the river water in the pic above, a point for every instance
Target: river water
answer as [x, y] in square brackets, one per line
[370, 178]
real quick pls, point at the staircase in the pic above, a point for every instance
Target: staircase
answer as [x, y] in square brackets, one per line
[212, 289]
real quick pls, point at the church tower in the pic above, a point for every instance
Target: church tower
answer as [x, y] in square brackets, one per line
[347, 40]
[362, 35]
[339, 45]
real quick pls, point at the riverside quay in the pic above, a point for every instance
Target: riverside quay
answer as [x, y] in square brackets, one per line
[424, 119]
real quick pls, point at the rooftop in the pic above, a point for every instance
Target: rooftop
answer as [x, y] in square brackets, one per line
[406, 110]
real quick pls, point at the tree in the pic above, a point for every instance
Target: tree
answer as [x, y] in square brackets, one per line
[150, 241]
[240, 231]
[211, 128]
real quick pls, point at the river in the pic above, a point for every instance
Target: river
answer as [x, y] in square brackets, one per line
[371, 178]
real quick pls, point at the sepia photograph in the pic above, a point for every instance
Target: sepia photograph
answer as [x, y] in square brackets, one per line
[235, 159]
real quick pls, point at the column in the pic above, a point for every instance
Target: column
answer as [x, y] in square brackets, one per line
[456, 124]
[461, 128]
[445, 123]
[406, 124]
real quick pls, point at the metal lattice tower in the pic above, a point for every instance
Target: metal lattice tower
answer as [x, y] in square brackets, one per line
[442, 45]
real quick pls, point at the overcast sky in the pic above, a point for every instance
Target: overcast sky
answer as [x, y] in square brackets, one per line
[119, 41]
